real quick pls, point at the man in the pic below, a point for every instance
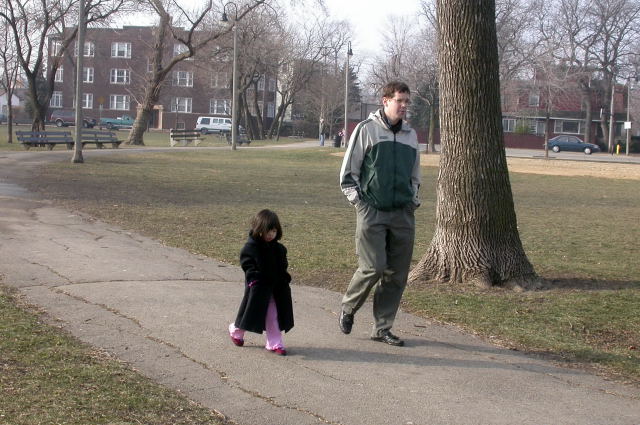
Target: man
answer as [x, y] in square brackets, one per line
[380, 176]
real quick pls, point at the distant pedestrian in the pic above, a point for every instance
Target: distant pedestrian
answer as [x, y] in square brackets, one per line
[266, 305]
[380, 176]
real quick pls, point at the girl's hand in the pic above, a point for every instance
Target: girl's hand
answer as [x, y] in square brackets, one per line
[252, 283]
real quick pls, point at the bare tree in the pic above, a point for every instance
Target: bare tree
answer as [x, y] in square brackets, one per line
[302, 53]
[200, 30]
[476, 237]
[410, 54]
[9, 77]
[33, 23]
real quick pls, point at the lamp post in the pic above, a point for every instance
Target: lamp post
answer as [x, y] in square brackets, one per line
[234, 84]
[345, 134]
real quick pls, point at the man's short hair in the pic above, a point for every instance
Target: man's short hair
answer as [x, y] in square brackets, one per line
[389, 90]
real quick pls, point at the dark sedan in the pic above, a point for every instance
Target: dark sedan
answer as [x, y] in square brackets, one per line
[573, 144]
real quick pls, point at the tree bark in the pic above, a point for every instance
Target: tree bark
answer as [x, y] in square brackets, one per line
[476, 237]
[431, 148]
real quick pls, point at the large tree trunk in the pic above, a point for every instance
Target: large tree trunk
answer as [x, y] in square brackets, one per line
[432, 128]
[476, 237]
[153, 86]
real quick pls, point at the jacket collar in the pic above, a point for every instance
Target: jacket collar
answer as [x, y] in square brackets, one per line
[378, 116]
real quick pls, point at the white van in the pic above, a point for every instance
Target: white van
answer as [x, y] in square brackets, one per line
[207, 125]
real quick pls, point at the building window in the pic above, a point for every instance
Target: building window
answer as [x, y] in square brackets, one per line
[120, 76]
[149, 65]
[59, 74]
[271, 110]
[89, 49]
[87, 75]
[119, 102]
[183, 78]
[120, 50]
[261, 83]
[534, 99]
[508, 125]
[220, 106]
[56, 48]
[181, 104]
[87, 100]
[56, 99]
[178, 49]
[260, 109]
[567, 127]
[272, 84]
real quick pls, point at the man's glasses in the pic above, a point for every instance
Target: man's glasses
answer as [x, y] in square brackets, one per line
[405, 102]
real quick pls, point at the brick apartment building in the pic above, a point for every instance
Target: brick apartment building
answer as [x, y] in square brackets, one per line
[117, 62]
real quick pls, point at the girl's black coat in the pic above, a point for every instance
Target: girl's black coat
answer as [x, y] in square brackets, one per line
[266, 263]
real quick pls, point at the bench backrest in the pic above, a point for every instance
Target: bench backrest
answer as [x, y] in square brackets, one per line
[98, 136]
[175, 132]
[44, 136]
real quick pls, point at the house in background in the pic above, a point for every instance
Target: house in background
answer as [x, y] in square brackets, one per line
[526, 103]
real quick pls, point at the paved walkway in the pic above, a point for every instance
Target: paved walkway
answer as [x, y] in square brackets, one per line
[165, 311]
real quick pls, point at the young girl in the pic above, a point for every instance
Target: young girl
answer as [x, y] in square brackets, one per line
[266, 304]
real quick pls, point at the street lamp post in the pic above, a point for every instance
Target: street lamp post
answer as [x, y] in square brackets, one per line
[345, 134]
[234, 84]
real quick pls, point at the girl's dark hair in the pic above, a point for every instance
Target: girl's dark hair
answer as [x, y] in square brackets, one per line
[389, 90]
[264, 221]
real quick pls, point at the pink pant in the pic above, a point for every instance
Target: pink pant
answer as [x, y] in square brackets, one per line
[273, 334]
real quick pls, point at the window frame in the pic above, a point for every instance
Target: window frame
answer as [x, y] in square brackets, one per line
[115, 49]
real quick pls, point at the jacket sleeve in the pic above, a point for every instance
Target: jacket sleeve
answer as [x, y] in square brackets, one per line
[415, 175]
[351, 164]
[285, 264]
[249, 264]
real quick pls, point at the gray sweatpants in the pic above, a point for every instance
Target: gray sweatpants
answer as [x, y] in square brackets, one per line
[384, 245]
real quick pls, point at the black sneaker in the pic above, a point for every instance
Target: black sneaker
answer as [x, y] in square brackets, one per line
[346, 322]
[388, 338]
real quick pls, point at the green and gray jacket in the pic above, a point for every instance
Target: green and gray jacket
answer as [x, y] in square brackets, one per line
[380, 167]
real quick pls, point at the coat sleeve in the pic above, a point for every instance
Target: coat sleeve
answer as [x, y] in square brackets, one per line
[285, 263]
[415, 175]
[249, 264]
[351, 164]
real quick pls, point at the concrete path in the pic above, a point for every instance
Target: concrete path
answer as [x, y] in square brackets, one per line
[165, 311]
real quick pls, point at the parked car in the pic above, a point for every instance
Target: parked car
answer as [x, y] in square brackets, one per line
[67, 117]
[571, 143]
[207, 125]
[124, 121]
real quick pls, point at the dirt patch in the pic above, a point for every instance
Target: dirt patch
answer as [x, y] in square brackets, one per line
[557, 167]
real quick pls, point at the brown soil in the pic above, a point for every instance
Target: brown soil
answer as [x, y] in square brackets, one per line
[557, 167]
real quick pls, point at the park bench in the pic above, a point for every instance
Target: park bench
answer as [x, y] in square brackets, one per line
[99, 138]
[184, 137]
[47, 139]
[241, 138]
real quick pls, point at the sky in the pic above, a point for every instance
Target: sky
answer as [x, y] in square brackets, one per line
[367, 17]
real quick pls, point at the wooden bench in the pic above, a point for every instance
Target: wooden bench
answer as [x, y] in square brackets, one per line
[99, 138]
[241, 138]
[184, 137]
[47, 139]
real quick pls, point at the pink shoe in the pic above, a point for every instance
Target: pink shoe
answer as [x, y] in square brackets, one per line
[280, 351]
[237, 341]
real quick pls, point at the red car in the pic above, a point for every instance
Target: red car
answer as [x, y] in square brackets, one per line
[65, 118]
